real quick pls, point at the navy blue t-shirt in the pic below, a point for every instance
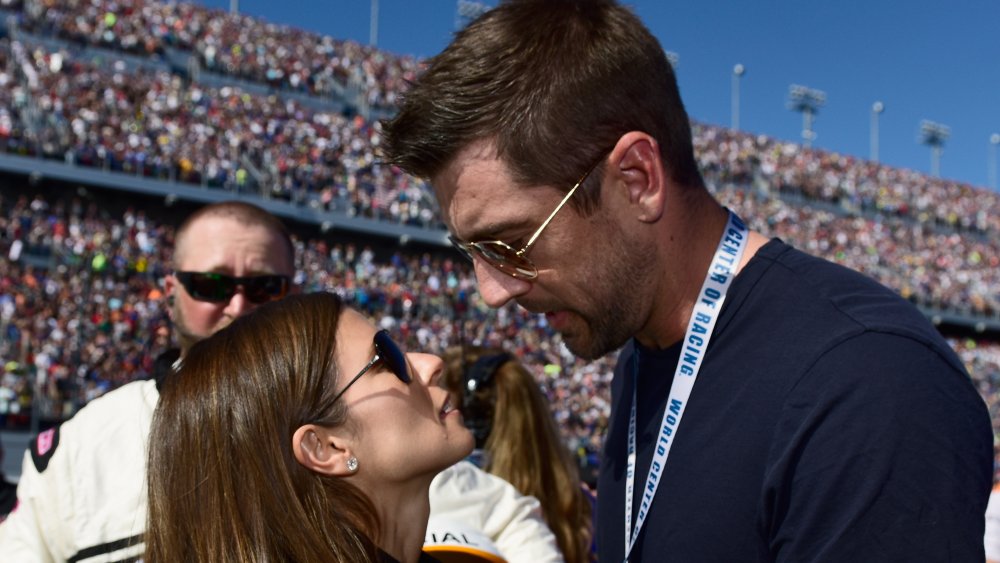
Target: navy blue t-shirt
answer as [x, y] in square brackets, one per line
[830, 422]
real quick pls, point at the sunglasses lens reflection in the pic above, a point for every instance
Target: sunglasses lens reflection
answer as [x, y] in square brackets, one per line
[506, 259]
[262, 289]
[210, 287]
[393, 357]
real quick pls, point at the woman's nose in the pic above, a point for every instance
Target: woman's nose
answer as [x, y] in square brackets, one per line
[428, 367]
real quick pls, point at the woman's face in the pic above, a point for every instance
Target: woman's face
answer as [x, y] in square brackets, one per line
[401, 431]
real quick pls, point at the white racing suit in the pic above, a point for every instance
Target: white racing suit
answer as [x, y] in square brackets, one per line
[511, 521]
[82, 493]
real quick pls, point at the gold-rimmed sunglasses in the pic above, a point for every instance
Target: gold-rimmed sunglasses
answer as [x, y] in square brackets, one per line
[504, 257]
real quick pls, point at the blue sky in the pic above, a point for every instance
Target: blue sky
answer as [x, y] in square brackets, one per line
[922, 59]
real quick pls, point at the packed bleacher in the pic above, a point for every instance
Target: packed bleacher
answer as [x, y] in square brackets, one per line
[152, 123]
[233, 44]
[853, 184]
[156, 124]
[81, 305]
[81, 302]
[298, 60]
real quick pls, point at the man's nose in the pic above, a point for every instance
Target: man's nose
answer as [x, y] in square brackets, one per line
[496, 287]
[238, 304]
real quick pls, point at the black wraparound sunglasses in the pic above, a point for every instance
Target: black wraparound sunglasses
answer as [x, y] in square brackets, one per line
[219, 288]
[387, 352]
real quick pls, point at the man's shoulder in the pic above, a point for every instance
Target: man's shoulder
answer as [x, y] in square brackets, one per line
[117, 419]
[827, 278]
[119, 404]
[821, 292]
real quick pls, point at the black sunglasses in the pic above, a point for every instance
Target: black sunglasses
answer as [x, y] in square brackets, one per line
[387, 352]
[219, 288]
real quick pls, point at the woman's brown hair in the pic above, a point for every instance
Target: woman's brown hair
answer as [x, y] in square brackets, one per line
[224, 484]
[525, 448]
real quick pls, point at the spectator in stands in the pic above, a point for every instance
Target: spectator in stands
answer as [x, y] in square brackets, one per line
[517, 439]
[82, 489]
[856, 429]
[299, 433]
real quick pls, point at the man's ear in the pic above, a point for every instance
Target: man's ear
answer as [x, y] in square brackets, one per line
[170, 284]
[638, 166]
[317, 448]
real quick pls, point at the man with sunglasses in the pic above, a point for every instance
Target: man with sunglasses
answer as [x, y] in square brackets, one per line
[82, 493]
[767, 405]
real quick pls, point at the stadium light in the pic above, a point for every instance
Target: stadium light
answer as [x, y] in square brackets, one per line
[738, 71]
[934, 135]
[373, 25]
[994, 141]
[806, 101]
[234, 7]
[877, 109]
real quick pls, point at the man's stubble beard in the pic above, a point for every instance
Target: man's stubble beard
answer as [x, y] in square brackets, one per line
[620, 291]
[186, 338]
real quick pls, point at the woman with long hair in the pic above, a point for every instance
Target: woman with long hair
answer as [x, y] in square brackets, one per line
[298, 433]
[517, 439]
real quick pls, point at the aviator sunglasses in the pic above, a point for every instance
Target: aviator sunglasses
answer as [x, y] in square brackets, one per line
[219, 288]
[502, 256]
[387, 352]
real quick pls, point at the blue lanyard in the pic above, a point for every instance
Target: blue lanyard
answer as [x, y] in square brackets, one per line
[699, 332]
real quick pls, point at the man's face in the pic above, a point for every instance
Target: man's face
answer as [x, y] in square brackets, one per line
[590, 275]
[225, 246]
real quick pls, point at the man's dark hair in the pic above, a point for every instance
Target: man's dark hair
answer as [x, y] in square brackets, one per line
[554, 84]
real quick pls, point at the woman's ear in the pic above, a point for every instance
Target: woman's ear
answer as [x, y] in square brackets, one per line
[318, 449]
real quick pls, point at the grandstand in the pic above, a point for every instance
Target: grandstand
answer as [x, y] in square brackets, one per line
[117, 118]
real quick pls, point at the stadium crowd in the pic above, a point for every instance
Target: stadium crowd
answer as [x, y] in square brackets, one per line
[80, 303]
[232, 44]
[261, 52]
[853, 184]
[154, 123]
[81, 307]
[293, 59]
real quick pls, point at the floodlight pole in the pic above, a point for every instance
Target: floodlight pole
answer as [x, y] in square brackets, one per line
[373, 29]
[877, 109]
[738, 71]
[807, 101]
[934, 135]
[234, 6]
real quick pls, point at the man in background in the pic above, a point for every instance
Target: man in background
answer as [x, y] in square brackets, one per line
[82, 493]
